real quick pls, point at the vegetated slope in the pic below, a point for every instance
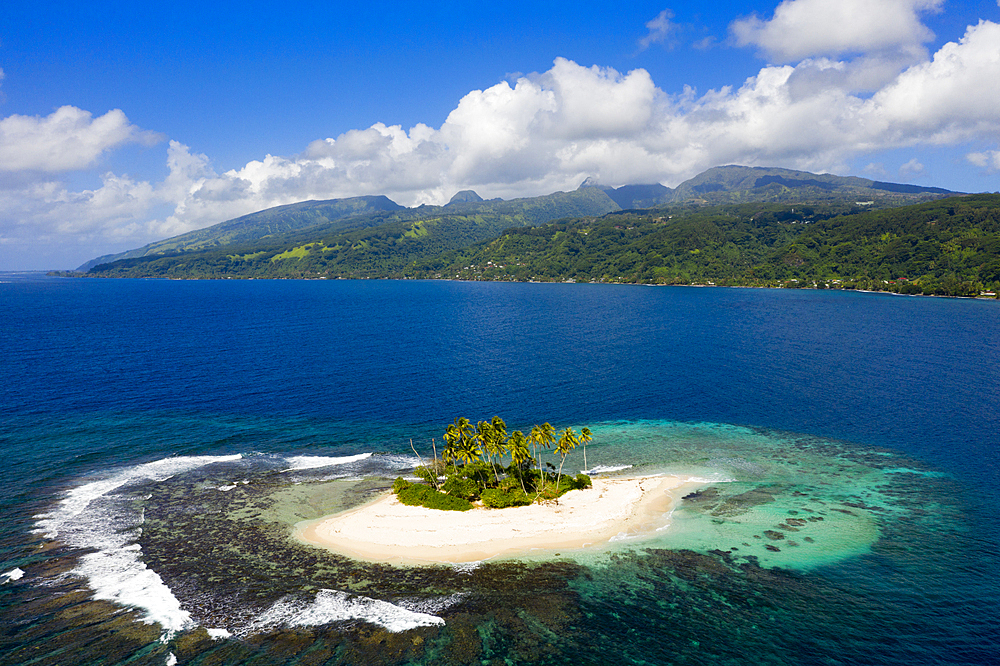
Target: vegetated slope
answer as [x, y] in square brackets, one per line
[948, 246]
[740, 184]
[267, 228]
[266, 223]
[718, 185]
[531, 211]
[374, 237]
[375, 247]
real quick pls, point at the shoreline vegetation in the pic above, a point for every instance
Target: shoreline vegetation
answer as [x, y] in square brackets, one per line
[833, 285]
[471, 467]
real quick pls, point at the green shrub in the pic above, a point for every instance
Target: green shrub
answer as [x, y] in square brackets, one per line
[478, 471]
[420, 495]
[422, 472]
[509, 483]
[399, 484]
[566, 484]
[501, 499]
[457, 486]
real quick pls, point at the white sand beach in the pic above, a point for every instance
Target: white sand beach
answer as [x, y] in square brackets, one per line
[387, 531]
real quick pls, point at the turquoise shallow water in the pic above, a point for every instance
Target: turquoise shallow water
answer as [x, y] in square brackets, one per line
[160, 439]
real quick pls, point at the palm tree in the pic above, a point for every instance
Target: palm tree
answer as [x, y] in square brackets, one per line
[483, 435]
[464, 426]
[456, 437]
[487, 437]
[567, 442]
[519, 454]
[468, 450]
[543, 436]
[585, 437]
[500, 429]
[493, 436]
[450, 438]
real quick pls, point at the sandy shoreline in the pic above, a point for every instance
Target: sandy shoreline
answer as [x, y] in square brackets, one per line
[386, 531]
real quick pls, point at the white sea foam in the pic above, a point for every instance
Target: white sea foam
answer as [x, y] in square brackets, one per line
[121, 577]
[916, 472]
[402, 460]
[14, 574]
[466, 568]
[335, 606]
[314, 462]
[669, 521]
[754, 469]
[622, 536]
[92, 517]
[218, 634]
[80, 499]
[715, 478]
[432, 605]
[606, 469]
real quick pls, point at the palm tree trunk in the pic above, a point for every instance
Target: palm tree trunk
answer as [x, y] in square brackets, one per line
[433, 472]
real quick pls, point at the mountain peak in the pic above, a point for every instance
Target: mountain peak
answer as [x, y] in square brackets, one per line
[592, 181]
[465, 196]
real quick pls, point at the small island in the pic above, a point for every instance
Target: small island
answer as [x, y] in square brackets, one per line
[470, 506]
[473, 469]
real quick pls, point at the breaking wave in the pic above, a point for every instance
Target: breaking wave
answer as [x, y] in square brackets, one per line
[336, 606]
[95, 517]
[14, 574]
[606, 469]
[299, 463]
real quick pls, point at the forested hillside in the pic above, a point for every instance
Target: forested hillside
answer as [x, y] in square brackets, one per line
[730, 225]
[949, 246]
[374, 246]
[273, 222]
[274, 231]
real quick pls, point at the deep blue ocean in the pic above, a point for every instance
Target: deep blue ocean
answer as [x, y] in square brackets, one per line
[160, 439]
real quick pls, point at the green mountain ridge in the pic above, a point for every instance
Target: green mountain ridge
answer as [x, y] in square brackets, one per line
[740, 184]
[949, 246]
[726, 184]
[283, 224]
[260, 225]
[361, 245]
[755, 210]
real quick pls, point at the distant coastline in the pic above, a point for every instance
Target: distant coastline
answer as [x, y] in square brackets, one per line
[982, 296]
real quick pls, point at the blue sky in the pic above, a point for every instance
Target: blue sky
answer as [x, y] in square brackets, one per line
[123, 123]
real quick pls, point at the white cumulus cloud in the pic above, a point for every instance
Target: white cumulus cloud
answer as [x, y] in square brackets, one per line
[662, 30]
[912, 169]
[69, 138]
[803, 29]
[989, 159]
[953, 97]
